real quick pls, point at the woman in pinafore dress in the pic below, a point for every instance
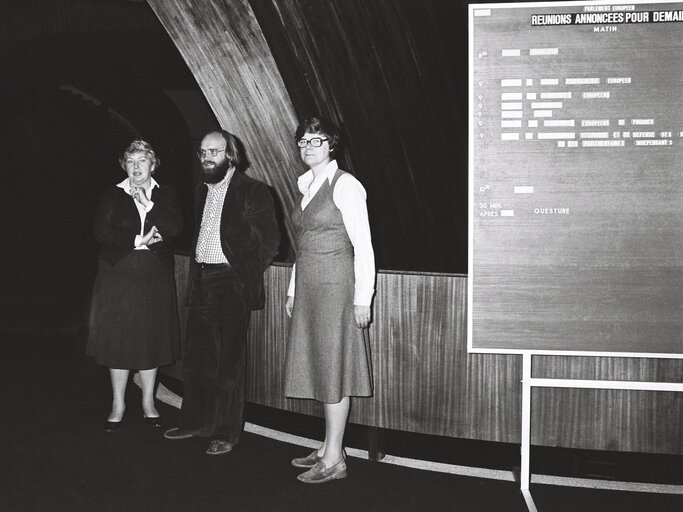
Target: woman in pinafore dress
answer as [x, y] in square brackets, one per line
[329, 296]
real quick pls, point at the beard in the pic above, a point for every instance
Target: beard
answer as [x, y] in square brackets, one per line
[214, 172]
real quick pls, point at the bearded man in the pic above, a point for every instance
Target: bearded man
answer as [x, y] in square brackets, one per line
[236, 238]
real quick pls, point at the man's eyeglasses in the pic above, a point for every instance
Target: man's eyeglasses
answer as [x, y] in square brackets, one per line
[208, 152]
[315, 142]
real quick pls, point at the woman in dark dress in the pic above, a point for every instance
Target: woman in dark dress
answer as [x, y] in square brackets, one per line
[329, 298]
[133, 318]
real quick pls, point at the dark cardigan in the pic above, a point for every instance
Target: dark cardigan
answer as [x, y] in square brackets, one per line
[117, 222]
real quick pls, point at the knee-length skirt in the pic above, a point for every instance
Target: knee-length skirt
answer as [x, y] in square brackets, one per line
[133, 316]
[328, 356]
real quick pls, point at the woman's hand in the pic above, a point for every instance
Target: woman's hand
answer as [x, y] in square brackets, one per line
[151, 237]
[140, 196]
[362, 314]
[289, 305]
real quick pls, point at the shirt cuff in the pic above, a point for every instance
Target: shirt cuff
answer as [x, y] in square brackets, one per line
[363, 297]
[291, 287]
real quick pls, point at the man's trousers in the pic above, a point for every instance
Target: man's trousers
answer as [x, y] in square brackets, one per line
[215, 356]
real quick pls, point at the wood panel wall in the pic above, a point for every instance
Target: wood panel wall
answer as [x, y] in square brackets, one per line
[424, 379]
[223, 46]
[426, 382]
[388, 72]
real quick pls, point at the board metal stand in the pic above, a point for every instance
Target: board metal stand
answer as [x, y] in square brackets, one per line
[529, 382]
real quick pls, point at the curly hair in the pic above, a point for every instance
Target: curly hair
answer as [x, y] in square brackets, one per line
[139, 146]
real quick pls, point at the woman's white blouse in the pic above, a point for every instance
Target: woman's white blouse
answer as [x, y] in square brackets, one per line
[349, 196]
[142, 211]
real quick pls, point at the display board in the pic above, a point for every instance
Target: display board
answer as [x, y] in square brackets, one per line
[576, 178]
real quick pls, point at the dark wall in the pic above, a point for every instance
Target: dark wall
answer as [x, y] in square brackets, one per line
[82, 78]
[394, 76]
[80, 81]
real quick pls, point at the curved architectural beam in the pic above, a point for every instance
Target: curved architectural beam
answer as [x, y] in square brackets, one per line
[228, 55]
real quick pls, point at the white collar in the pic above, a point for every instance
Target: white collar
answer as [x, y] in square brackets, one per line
[306, 179]
[125, 185]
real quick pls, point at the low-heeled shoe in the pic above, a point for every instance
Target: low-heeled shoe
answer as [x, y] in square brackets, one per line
[154, 422]
[219, 447]
[306, 462]
[110, 426]
[319, 474]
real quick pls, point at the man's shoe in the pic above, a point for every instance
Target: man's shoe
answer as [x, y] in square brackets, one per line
[306, 462]
[178, 433]
[319, 474]
[219, 447]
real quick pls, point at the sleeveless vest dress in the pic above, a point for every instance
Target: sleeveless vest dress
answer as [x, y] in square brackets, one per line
[328, 357]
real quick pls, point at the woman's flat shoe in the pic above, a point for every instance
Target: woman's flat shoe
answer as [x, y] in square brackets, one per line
[154, 422]
[319, 473]
[306, 462]
[110, 426]
[219, 447]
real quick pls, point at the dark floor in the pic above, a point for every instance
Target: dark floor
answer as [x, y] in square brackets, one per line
[54, 456]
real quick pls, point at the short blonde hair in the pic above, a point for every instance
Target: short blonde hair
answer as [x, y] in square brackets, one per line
[139, 146]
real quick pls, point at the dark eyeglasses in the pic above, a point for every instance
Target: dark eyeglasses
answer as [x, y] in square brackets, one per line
[208, 152]
[315, 142]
